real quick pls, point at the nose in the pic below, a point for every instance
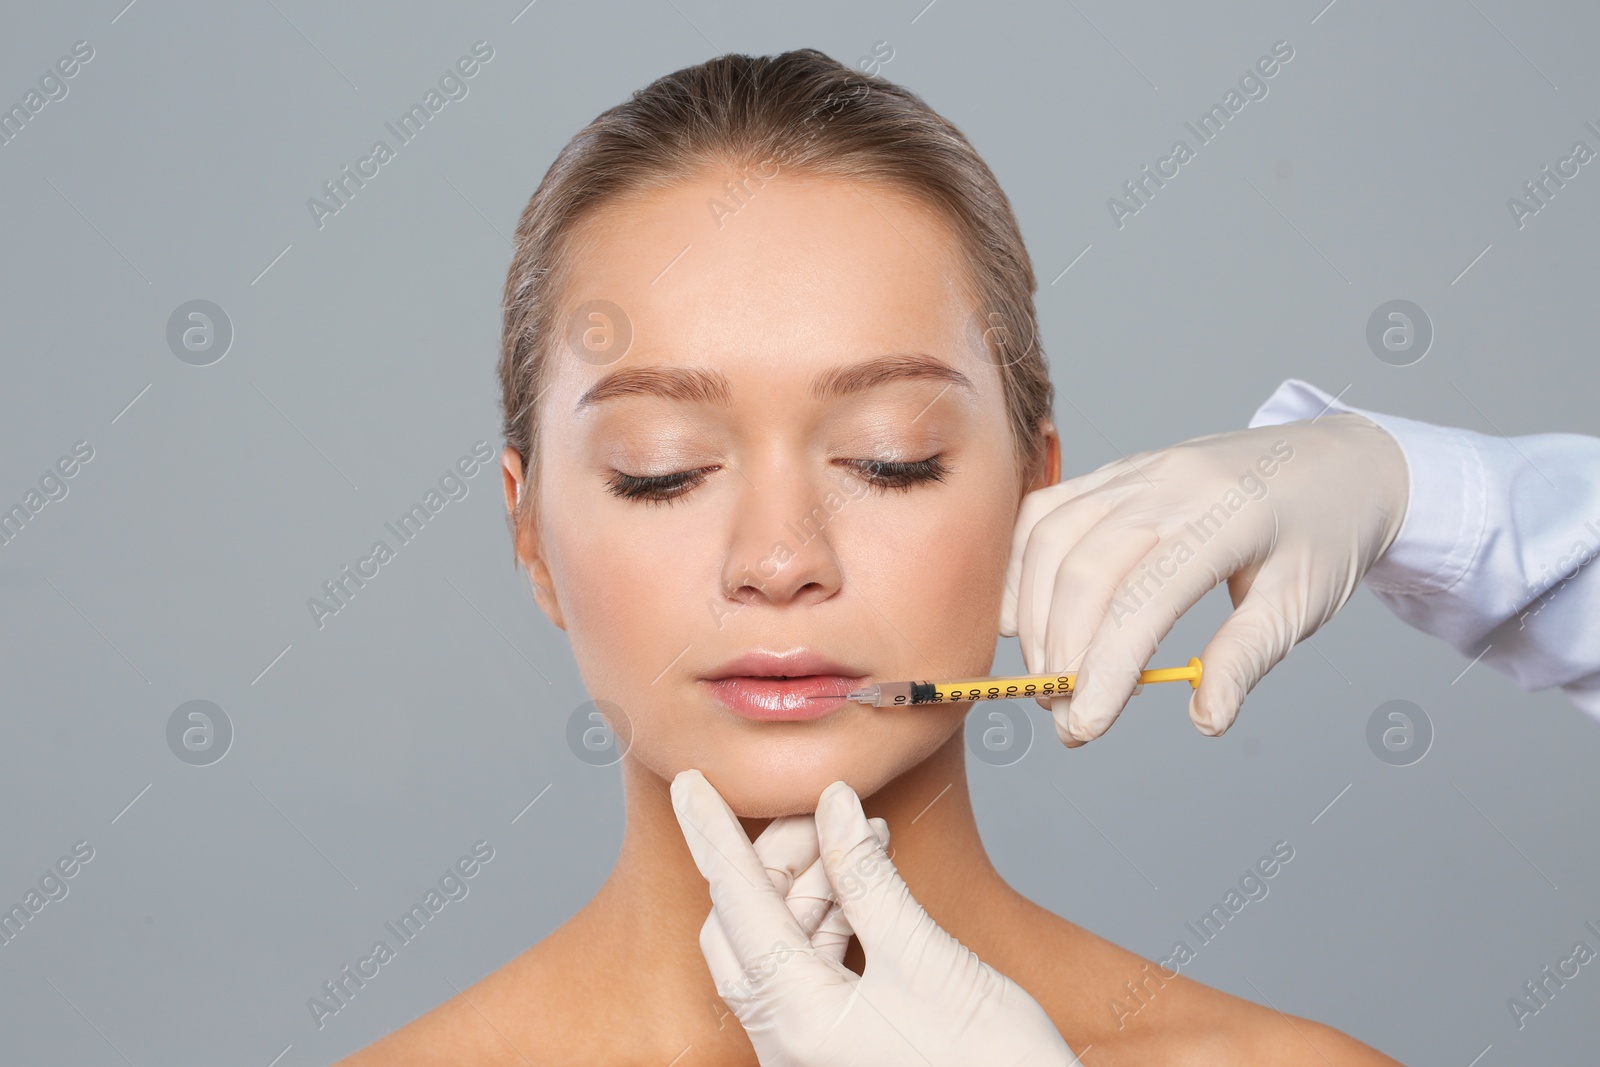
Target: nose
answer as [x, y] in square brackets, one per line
[782, 536]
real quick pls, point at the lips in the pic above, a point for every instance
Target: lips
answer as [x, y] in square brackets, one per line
[773, 686]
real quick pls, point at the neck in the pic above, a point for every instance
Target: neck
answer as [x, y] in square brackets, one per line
[655, 899]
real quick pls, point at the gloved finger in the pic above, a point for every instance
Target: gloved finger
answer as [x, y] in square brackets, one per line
[1035, 507]
[1248, 644]
[754, 916]
[1054, 538]
[1087, 580]
[1082, 589]
[1087, 576]
[786, 848]
[1168, 581]
[808, 895]
[812, 894]
[894, 930]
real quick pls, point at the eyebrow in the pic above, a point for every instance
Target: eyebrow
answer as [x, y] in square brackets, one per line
[711, 387]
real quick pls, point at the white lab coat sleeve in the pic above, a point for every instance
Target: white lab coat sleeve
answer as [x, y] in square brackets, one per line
[1495, 549]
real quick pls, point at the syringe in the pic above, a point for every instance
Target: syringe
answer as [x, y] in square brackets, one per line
[895, 694]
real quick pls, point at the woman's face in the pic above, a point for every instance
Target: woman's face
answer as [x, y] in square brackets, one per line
[785, 337]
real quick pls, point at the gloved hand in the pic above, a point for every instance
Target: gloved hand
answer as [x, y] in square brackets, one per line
[1291, 515]
[924, 998]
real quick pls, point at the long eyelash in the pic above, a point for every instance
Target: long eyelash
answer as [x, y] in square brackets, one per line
[903, 476]
[665, 488]
[655, 488]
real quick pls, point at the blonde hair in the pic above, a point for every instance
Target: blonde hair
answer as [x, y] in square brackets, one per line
[814, 116]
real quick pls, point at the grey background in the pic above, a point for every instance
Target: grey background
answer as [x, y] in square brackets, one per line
[370, 754]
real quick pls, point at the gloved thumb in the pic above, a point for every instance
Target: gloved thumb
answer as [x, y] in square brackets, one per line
[1247, 645]
[892, 926]
[812, 890]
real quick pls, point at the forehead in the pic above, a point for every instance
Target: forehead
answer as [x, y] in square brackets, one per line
[790, 270]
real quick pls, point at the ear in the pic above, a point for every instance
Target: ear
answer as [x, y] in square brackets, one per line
[525, 538]
[1047, 470]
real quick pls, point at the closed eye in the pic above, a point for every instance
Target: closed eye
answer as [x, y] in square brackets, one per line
[879, 474]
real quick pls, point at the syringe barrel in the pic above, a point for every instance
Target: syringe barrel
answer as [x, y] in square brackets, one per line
[895, 694]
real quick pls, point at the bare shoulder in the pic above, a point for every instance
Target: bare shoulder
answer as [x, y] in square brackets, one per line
[530, 1011]
[1258, 1036]
[1117, 1008]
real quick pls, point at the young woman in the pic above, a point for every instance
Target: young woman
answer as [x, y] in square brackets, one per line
[771, 404]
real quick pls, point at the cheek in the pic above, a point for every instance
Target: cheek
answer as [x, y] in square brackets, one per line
[615, 588]
[950, 599]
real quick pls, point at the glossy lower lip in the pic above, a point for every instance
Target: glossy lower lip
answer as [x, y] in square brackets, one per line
[781, 699]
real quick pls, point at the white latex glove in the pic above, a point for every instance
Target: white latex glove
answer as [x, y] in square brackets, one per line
[924, 998]
[1102, 565]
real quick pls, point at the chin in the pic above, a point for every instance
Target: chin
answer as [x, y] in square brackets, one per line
[784, 771]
